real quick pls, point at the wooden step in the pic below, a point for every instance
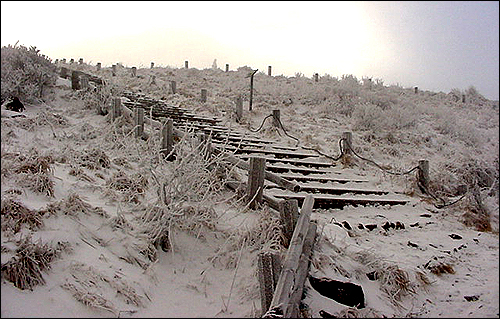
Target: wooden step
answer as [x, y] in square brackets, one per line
[276, 153]
[336, 190]
[297, 169]
[330, 201]
[321, 179]
[293, 162]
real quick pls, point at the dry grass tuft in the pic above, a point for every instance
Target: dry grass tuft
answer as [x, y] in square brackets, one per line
[24, 270]
[130, 186]
[74, 206]
[358, 313]
[439, 268]
[94, 159]
[15, 214]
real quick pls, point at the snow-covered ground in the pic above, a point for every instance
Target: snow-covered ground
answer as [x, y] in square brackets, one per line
[106, 267]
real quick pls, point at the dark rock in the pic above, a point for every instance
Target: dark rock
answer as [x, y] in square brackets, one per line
[15, 105]
[346, 225]
[412, 244]
[400, 225]
[346, 293]
[455, 236]
[472, 298]
[371, 227]
[360, 226]
[386, 226]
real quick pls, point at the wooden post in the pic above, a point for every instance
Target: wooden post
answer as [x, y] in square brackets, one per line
[276, 118]
[56, 61]
[186, 63]
[239, 108]
[64, 72]
[269, 269]
[84, 81]
[316, 75]
[117, 108]
[152, 65]
[98, 66]
[227, 67]
[251, 90]
[423, 174]
[173, 87]
[255, 184]
[288, 282]
[113, 69]
[75, 80]
[80, 61]
[134, 71]
[139, 121]
[289, 211]
[71, 61]
[63, 60]
[347, 136]
[416, 90]
[203, 95]
[463, 98]
[167, 142]
[269, 70]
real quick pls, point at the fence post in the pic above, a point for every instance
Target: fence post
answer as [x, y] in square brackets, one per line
[423, 173]
[239, 108]
[134, 71]
[255, 185]
[276, 118]
[75, 80]
[98, 66]
[251, 89]
[289, 213]
[227, 67]
[84, 81]
[463, 98]
[347, 136]
[64, 72]
[80, 61]
[203, 95]
[416, 90]
[316, 75]
[139, 121]
[63, 60]
[173, 87]
[117, 108]
[152, 65]
[71, 61]
[186, 63]
[113, 69]
[269, 269]
[269, 70]
[167, 141]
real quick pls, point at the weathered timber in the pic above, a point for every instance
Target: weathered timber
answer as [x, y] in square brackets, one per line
[75, 80]
[269, 268]
[332, 201]
[272, 201]
[139, 121]
[239, 108]
[289, 211]
[289, 276]
[167, 142]
[296, 162]
[335, 190]
[276, 118]
[302, 271]
[298, 169]
[255, 186]
[321, 179]
[117, 108]
[423, 174]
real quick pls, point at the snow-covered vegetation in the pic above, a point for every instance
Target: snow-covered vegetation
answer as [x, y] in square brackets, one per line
[96, 223]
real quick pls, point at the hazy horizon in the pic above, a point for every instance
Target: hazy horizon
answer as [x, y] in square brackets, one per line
[437, 46]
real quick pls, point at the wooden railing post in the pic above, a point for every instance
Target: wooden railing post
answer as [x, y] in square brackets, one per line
[152, 65]
[71, 61]
[117, 108]
[113, 69]
[134, 71]
[347, 136]
[203, 95]
[63, 60]
[255, 186]
[186, 64]
[167, 141]
[139, 121]
[416, 90]
[80, 61]
[276, 118]
[227, 67]
[269, 70]
[239, 108]
[316, 75]
[173, 87]
[289, 212]
[423, 174]
[269, 269]
[98, 66]
[75, 80]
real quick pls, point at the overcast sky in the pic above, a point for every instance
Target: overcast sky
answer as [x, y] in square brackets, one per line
[436, 46]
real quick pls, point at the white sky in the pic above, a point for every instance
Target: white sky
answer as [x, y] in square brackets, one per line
[436, 46]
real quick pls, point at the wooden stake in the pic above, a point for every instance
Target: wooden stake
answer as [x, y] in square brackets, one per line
[227, 67]
[316, 75]
[186, 63]
[239, 108]
[289, 211]
[75, 80]
[63, 60]
[269, 269]
[139, 121]
[416, 90]
[152, 65]
[71, 61]
[203, 95]
[134, 71]
[80, 61]
[113, 69]
[117, 108]
[269, 70]
[98, 66]
[167, 142]
[255, 184]
[423, 174]
[347, 136]
[276, 118]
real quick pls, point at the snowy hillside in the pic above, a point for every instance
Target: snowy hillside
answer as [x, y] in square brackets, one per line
[85, 217]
